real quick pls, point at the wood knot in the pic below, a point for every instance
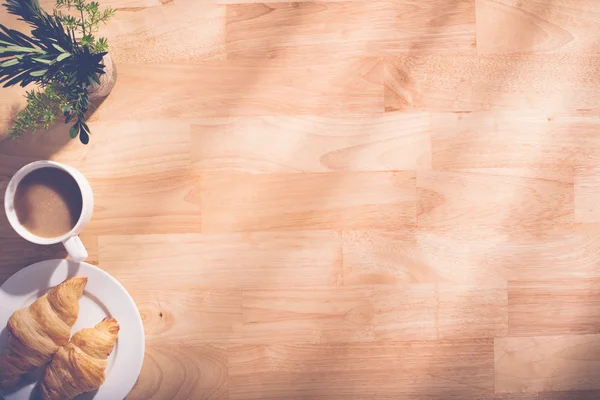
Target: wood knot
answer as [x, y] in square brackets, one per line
[157, 320]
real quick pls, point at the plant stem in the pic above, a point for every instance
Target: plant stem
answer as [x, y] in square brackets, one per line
[82, 21]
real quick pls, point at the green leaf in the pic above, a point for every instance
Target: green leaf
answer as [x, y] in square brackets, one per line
[9, 63]
[87, 40]
[57, 47]
[38, 73]
[62, 57]
[85, 127]
[84, 137]
[42, 60]
[22, 49]
[74, 131]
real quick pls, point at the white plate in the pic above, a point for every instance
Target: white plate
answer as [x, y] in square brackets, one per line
[103, 297]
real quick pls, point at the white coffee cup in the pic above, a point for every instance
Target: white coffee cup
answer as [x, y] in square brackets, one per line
[70, 240]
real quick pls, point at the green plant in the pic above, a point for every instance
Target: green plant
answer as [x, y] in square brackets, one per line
[41, 111]
[61, 56]
[88, 20]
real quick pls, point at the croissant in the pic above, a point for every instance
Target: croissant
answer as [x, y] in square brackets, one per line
[79, 366]
[38, 331]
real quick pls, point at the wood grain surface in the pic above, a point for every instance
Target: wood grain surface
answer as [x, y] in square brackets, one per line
[353, 199]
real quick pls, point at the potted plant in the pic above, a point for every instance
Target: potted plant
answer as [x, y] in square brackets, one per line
[62, 57]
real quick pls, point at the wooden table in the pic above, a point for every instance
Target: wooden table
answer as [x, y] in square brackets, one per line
[347, 200]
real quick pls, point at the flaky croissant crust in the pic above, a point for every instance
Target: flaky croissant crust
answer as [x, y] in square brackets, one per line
[38, 331]
[80, 365]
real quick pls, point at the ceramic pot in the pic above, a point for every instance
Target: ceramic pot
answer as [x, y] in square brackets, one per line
[107, 80]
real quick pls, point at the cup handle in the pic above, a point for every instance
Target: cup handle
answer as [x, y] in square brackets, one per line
[76, 249]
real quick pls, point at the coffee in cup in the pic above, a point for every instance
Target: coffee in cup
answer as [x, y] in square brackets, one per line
[47, 202]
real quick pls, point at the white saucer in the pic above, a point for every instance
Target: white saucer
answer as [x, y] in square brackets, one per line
[103, 297]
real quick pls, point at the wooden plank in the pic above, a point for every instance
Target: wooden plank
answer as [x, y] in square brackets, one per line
[572, 395]
[32, 147]
[246, 88]
[133, 147]
[515, 139]
[203, 315]
[312, 143]
[321, 314]
[11, 102]
[117, 148]
[562, 255]
[472, 311]
[182, 372]
[537, 82]
[316, 29]
[402, 371]
[440, 311]
[307, 315]
[562, 26]
[405, 313]
[120, 5]
[152, 203]
[547, 363]
[452, 201]
[175, 32]
[587, 188]
[244, 202]
[18, 253]
[431, 82]
[463, 256]
[425, 255]
[91, 245]
[383, 257]
[549, 307]
[494, 257]
[276, 2]
[511, 396]
[470, 83]
[258, 259]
